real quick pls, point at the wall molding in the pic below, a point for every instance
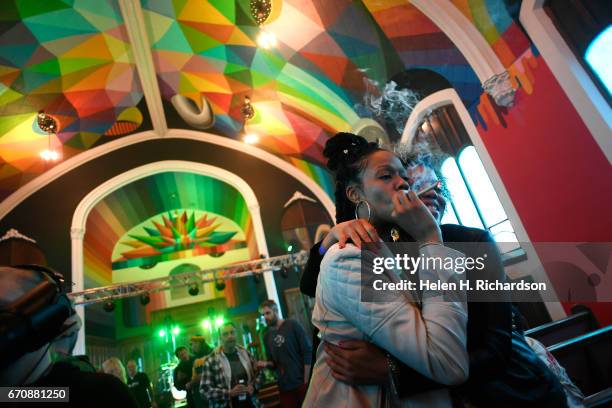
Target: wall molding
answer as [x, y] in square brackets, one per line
[133, 18]
[64, 167]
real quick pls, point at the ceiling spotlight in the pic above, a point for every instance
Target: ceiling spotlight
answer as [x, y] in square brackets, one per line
[220, 285]
[49, 155]
[194, 289]
[251, 138]
[145, 299]
[109, 306]
[266, 39]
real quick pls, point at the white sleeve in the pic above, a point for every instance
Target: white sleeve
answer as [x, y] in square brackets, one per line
[431, 340]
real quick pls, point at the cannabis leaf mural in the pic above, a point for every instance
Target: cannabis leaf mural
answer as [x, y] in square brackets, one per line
[177, 236]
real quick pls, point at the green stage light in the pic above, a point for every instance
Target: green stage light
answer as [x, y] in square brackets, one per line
[176, 330]
[206, 324]
[162, 333]
[219, 321]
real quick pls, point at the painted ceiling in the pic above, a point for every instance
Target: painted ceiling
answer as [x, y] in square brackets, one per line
[119, 213]
[73, 59]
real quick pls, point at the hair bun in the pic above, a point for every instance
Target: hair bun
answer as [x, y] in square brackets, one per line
[345, 148]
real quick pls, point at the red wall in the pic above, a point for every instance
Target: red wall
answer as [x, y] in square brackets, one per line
[555, 173]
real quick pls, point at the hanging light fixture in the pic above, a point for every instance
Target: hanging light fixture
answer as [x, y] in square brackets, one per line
[109, 306]
[49, 125]
[194, 289]
[219, 284]
[145, 299]
[248, 112]
[260, 11]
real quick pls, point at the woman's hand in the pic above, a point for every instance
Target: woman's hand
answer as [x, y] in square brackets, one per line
[357, 362]
[414, 217]
[357, 230]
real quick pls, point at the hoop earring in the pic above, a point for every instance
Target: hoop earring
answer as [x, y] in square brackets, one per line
[357, 209]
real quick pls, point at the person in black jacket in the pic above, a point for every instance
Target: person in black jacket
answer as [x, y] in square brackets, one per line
[182, 374]
[139, 384]
[502, 371]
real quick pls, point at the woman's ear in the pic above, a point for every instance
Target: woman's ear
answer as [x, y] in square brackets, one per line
[353, 193]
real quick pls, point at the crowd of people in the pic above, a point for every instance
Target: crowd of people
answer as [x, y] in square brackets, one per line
[39, 328]
[400, 352]
[230, 376]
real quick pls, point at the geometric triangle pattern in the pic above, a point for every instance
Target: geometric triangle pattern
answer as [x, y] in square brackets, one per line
[72, 61]
[306, 88]
[499, 29]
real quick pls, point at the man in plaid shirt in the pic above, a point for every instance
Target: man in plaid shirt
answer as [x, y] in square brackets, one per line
[229, 376]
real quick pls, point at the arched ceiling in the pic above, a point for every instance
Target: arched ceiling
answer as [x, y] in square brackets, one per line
[162, 193]
[73, 59]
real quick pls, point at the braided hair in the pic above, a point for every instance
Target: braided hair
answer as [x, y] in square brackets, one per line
[346, 155]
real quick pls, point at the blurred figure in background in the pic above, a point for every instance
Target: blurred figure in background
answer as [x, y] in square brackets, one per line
[140, 385]
[289, 351]
[182, 375]
[114, 366]
[35, 312]
[230, 377]
[201, 350]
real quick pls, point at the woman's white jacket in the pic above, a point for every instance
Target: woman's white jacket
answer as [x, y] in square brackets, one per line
[430, 337]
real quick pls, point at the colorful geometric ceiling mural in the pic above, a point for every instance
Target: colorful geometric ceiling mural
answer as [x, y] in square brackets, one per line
[305, 89]
[419, 43]
[492, 18]
[150, 198]
[73, 59]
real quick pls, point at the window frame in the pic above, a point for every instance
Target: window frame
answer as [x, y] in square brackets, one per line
[450, 97]
[509, 257]
[577, 84]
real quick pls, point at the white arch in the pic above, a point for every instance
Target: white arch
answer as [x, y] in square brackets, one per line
[64, 167]
[573, 79]
[79, 219]
[450, 97]
[464, 35]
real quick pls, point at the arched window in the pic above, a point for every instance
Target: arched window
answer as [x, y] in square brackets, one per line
[599, 57]
[586, 28]
[473, 201]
